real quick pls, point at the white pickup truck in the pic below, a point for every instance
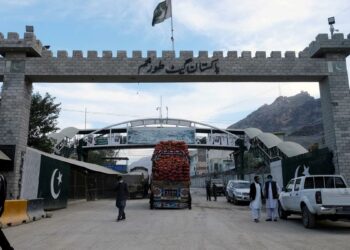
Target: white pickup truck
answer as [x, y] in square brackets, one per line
[315, 197]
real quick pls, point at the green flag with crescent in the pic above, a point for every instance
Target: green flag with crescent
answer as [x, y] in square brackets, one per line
[162, 12]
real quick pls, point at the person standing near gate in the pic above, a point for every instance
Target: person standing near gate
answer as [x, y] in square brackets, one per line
[207, 187]
[215, 191]
[4, 244]
[256, 197]
[271, 191]
[122, 196]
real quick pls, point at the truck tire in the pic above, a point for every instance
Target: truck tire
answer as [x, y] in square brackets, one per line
[281, 212]
[309, 219]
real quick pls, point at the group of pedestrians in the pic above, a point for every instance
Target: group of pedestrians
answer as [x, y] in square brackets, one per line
[270, 192]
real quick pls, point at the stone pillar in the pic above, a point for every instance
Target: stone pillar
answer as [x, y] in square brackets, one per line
[335, 97]
[14, 116]
[16, 99]
[335, 101]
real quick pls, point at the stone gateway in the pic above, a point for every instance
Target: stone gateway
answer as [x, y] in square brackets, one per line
[25, 60]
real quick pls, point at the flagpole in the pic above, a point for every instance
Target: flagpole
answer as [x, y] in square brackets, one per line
[172, 27]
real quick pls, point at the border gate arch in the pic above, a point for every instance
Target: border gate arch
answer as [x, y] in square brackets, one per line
[24, 61]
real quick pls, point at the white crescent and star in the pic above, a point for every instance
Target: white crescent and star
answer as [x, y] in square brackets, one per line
[59, 179]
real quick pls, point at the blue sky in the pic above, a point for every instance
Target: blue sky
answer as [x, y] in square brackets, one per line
[199, 25]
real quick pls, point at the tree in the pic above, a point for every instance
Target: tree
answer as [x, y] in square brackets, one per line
[43, 120]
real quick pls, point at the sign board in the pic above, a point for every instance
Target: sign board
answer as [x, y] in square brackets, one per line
[276, 172]
[113, 139]
[155, 135]
[221, 139]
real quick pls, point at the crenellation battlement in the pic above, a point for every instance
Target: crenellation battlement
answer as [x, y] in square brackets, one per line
[121, 54]
[276, 54]
[62, 54]
[217, 54]
[92, 54]
[203, 54]
[46, 54]
[137, 54]
[107, 54]
[14, 36]
[231, 54]
[290, 54]
[168, 54]
[185, 54]
[151, 53]
[77, 54]
[13, 43]
[260, 54]
[324, 44]
[246, 54]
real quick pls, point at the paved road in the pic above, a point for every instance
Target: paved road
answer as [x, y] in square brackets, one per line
[209, 225]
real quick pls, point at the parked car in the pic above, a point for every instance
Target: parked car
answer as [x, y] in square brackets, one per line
[238, 191]
[315, 197]
[220, 187]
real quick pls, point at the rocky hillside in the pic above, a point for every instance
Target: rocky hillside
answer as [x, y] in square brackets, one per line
[298, 115]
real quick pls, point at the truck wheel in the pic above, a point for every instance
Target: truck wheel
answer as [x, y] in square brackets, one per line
[281, 212]
[309, 219]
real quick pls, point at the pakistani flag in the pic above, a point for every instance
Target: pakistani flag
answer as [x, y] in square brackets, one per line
[162, 12]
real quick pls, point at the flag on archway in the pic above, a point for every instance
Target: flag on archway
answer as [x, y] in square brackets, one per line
[162, 12]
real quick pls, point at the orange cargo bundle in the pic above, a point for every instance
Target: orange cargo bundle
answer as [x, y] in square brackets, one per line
[171, 161]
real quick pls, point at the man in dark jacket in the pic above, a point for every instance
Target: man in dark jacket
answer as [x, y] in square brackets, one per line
[4, 244]
[271, 191]
[122, 196]
[256, 196]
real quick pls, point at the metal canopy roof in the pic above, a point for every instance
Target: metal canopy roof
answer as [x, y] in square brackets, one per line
[89, 166]
[269, 140]
[291, 149]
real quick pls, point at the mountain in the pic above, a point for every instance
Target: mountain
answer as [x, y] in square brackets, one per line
[296, 116]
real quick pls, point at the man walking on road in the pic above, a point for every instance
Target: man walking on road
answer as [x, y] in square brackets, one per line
[271, 192]
[122, 196]
[4, 244]
[207, 187]
[256, 197]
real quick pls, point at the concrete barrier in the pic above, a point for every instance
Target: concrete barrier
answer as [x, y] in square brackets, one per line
[15, 213]
[35, 209]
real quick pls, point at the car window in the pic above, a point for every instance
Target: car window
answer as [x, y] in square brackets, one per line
[329, 182]
[289, 186]
[297, 184]
[243, 185]
[319, 182]
[339, 183]
[309, 183]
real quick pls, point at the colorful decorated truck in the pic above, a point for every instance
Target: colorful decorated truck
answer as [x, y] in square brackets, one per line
[170, 185]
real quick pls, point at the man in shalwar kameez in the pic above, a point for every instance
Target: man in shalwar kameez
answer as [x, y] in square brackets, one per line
[271, 191]
[256, 197]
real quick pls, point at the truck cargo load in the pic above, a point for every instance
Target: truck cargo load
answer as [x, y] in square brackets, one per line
[170, 186]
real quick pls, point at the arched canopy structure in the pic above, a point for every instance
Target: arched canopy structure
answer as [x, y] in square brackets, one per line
[145, 133]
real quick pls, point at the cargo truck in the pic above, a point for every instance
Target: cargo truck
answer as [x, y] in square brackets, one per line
[170, 185]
